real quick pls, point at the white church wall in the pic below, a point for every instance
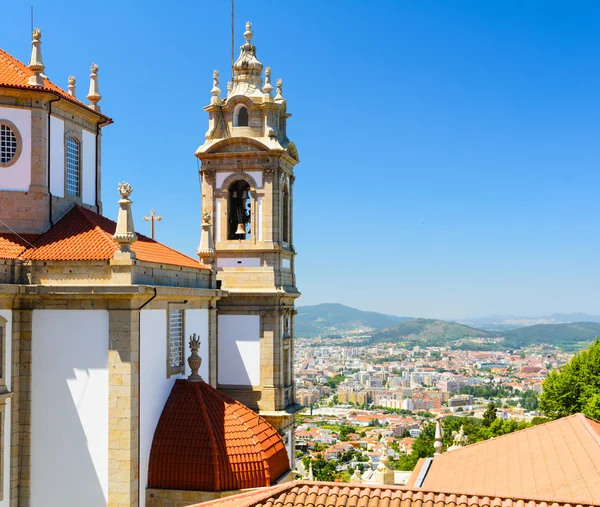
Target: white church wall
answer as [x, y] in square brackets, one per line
[155, 387]
[196, 321]
[18, 175]
[88, 166]
[57, 156]
[289, 446]
[239, 350]
[7, 314]
[238, 262]
[69, 419]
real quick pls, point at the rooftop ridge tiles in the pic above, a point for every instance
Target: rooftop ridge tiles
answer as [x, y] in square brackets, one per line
[211, 436]
[104, 234]
[529, 429]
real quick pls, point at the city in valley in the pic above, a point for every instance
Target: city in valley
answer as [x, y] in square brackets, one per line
[366, 399]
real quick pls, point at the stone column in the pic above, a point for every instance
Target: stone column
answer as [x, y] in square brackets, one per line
[20, 442]
[123, 406]
[213, 346]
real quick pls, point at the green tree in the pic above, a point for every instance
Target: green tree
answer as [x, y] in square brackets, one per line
[489, 416]
[575, 387]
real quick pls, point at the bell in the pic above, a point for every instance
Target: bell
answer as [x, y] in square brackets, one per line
[241, 229]
[245, 195]
[234, 194]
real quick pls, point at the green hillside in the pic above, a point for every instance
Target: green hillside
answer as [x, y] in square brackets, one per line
[567, 336]
[431, 332]
[329, 318]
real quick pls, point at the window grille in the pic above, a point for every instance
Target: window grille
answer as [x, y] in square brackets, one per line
[175, 339]
[73, 166]
[8, 144]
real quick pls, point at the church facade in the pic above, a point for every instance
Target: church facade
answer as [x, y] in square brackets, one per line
[95, 318]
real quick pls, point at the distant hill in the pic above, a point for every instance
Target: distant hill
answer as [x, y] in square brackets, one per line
[506, 322]
[330, 318]
[568, 336]
[429, 331]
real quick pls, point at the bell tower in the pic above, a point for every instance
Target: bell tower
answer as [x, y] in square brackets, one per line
[247, 237]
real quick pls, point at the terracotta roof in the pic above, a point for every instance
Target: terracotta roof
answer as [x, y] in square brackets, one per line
[558, 461]
[325, 494]
[14, 73]
[12, 245]
[83, 235]
[207, 441]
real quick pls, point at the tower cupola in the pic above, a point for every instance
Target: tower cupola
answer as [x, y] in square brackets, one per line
[247, 68]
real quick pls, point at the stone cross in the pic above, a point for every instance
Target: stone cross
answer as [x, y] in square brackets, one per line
[153, 218]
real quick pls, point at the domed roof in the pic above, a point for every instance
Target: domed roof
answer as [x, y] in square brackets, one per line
[207, 441]
[248, 69]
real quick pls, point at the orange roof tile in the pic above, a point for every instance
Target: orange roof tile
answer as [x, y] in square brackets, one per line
[12, 245]
[14, 73]
[83, 235]
[558, 461]
[325, 494]
[207, 441]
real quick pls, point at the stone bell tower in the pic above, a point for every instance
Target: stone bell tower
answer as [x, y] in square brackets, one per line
[247, 236]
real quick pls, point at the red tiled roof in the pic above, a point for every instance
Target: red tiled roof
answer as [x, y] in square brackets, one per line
[558, 461]
[12, 245]
[14, 73]
[326, 494]
[83, 235]
[207, 441]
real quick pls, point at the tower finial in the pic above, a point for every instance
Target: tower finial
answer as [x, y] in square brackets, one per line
[248, 34]
[215, 91]
[439, 433]
[279, 94]
[35, 64]
[72, 91]
[94, 94]
[206, 250]
[125, 232]
[268, 88]
[195, 361]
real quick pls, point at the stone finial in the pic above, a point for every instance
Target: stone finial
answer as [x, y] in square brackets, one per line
[94, 94]
[35, 64]
[356, 478]
[311, 475]
[206, 250]
[439, 433]
[279, 93]
[125, 234]
[268, 88]
[71, 87]
[459, 439]
[229, 87]
[248, 34]
[195, 361]
[215, 91]
[384, 474]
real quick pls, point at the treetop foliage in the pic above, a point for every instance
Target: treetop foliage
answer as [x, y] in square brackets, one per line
[575, 387]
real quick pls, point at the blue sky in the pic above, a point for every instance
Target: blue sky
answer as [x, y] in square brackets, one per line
[449, 150]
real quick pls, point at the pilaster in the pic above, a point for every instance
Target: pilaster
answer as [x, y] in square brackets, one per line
[20, 451]
[123, 411]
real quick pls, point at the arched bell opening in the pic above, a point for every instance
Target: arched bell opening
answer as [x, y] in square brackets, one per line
[239, 211]
[285, 204]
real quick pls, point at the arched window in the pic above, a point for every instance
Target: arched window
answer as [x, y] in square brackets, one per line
[285, 204]
[73, 166]
[241, 117]
[239, 211]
